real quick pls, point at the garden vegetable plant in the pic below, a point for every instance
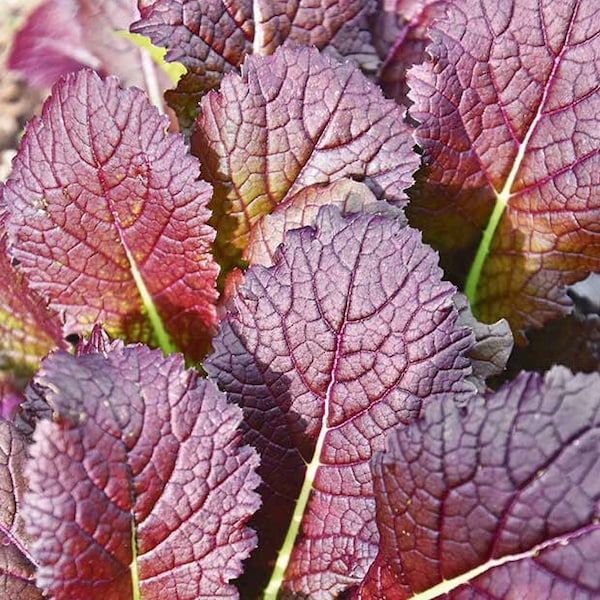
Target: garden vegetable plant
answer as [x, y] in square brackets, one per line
[264, 348]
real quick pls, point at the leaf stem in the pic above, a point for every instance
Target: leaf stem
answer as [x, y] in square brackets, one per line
[162, 337]
[285, 553]
[133, 567]
[483, 251]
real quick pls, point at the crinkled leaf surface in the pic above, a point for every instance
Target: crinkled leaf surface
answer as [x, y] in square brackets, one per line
[510, 128]
[28, 330]
[16, 565]
[499, 502]
[292, 120]
[107, 219]
[138, 485]
[62, 36]
[213, 37]
[344, 337]
[301, 209]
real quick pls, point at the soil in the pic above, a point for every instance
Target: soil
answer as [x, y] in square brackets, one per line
[18, 102]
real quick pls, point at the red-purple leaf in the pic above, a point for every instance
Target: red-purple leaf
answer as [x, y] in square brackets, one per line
[108, 221]
[499, 503]
[214, 37]
[510, 129]
[28, 330]
[138, 485]
[16, 567]
[292, 120]
[343, 338]
[62, 36]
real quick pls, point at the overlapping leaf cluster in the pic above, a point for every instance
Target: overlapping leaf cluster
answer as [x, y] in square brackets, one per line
[346, 425]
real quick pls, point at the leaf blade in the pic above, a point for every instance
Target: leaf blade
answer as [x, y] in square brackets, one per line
[108, 221]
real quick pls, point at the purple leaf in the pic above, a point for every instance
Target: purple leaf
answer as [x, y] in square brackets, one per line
[63, 36]
[138, 484]
[510, 128]
[16, 567]
[108, 221]
[344, 337]
[213, 37]
[501, 502]
[293, 120]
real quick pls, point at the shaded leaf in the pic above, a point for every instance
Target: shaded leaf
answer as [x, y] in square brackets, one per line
[400, 36]
[293, 120]
[493, 344]
[138, 484]
[509, 110]
[107, 220]
[572, 341]
[325, 351]
[17, 568]
[499, 503]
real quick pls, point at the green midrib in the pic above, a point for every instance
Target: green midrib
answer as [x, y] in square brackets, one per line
[502, 199]
[162, 337]
[133, 567]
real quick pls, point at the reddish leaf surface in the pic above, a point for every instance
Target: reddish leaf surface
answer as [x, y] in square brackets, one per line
[213, 37]
[325, 351]
[509, 110]
[28, 330]
[16, 566]
[62, 36]
[500, 503]
[107, 220]
[293, 120]
[138, 485]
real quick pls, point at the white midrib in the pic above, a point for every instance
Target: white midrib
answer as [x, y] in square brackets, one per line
[505, 193]
[258, 43]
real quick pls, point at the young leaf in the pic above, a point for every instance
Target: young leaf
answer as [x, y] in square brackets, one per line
[501, 502]
[292, 120]
[28, 330]
[344, 337]
[17, 568]
[107, 219]
[509, 110]
[138, 485]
